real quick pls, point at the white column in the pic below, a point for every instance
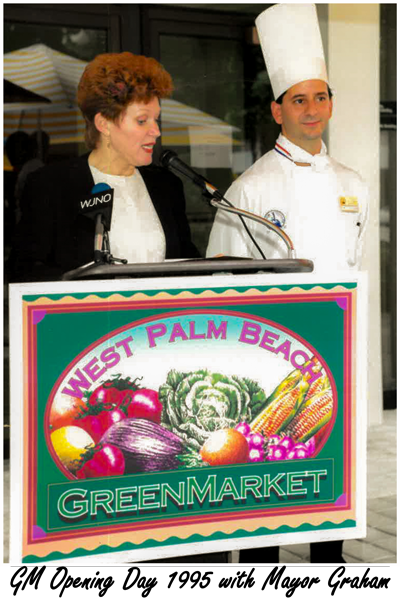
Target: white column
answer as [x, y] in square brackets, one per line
[354, 140]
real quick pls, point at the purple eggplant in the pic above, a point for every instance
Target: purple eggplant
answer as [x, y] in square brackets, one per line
[148, 446]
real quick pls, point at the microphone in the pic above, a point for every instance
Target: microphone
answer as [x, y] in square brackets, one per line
[98, 206]
[169, 159]
[99, 202]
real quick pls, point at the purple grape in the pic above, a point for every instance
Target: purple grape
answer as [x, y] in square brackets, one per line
[255, 439]
[287, 442]
[310, 445]
[243, 428]
[256, 455]
[278, 453]
[298, 452]
[273, 440]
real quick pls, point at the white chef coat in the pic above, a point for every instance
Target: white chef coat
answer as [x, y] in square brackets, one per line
[309, 198]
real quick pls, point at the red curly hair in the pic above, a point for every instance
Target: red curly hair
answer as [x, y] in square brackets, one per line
[113, 81]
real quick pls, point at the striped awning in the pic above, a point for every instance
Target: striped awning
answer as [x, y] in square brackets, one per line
[56, 75]
[185, 125]
[13, 93]
[45, 71]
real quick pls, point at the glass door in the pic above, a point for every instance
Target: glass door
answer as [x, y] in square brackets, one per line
[206, 126]
[216, 120]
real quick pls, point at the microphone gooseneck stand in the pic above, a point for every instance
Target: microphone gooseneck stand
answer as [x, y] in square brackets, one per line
[107, 257]
[169, 159]
[212, 194]
[107, 266]
[102, 251]
[217, 200]
[223, 204]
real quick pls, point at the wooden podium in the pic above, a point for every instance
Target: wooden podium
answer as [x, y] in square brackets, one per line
[226, 346]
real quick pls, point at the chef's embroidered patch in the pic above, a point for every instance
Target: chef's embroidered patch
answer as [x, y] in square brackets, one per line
[277, 217]
[348, 204]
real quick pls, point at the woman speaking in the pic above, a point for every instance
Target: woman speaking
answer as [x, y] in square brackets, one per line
[118, 96]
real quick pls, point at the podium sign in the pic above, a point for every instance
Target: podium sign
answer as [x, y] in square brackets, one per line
[153, 419]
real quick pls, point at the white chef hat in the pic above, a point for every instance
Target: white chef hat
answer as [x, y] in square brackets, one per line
[291, 43]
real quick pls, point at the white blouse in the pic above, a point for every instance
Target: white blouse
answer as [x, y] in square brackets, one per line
[136, 232]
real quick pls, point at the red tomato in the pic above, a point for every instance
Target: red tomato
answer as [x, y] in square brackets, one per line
[108, 461]
[104, 395]
[109, 417]
[97, 425]
[92, 425]
[144, 404]
[125, 396]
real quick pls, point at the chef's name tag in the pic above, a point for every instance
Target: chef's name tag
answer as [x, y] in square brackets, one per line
[348, 204]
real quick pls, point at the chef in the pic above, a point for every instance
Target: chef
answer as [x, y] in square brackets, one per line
[321, 204]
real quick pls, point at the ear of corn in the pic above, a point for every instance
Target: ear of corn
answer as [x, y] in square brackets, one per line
[315, 413]
[292, 380]
[286, 385]
[278, 414]
[316, 368]
[317, 386]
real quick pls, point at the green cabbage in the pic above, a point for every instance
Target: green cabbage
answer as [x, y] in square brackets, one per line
[198, 403]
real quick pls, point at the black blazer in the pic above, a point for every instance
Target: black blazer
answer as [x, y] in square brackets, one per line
[54, 237]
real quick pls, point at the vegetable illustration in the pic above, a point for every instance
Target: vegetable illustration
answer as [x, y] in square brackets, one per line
[112, 392]
[314, 415]
[286, 385]
[280, 449]
[105, 395]
[225, 447]
[70, 443]
[143, 404]
[287, 442]
[197, 404]
[97, 424]
[255, 441]
[148, 446]
[244, 428]
[278, 414]
[195, 419]
[64, 409]
[317, 386]
[277, 453]
[299, 451]
[104, 460]
[256, 455]
[296, 411]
